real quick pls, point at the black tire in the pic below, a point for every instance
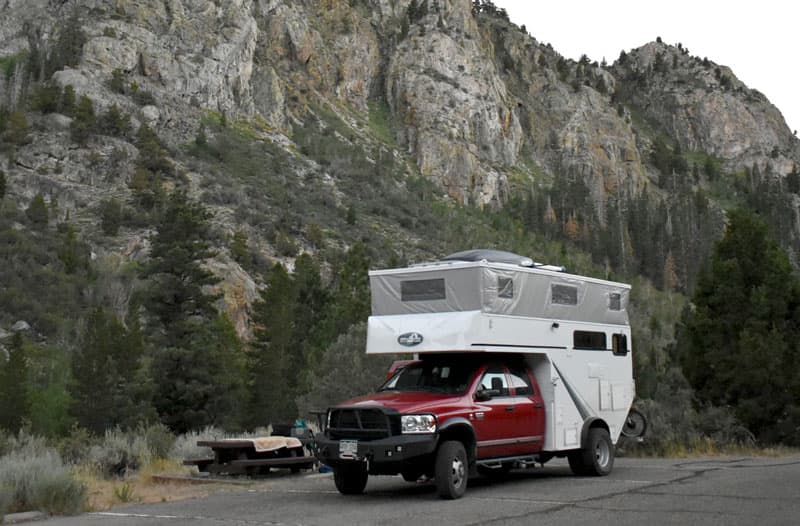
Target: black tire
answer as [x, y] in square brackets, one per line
[351, 479]
[635, 424]
[597, 459]
[575, 459]
[451, 470]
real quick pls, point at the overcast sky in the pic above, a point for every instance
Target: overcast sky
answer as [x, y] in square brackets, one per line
[757, 40]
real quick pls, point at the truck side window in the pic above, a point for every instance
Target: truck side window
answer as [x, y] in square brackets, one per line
[520, 381]
[495, 378]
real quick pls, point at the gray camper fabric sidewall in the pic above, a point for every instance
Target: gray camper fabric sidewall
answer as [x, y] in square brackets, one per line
[504, 291]
[462, 292]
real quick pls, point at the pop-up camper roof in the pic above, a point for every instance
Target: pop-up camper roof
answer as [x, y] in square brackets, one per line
[497, 282]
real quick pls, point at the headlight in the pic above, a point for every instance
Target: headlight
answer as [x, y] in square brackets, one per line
[418, 424]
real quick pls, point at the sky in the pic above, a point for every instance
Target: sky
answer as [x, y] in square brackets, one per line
[757, 40]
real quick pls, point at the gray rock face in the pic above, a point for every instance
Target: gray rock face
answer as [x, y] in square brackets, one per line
[706, 108]
[458, 117]
[474, 103]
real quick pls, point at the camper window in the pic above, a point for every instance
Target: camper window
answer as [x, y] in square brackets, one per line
[505, 287]
[564, 294]
[615, 301]
[422, 290]
[589, 340]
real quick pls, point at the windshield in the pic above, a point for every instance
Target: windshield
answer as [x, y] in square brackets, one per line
[431, 375]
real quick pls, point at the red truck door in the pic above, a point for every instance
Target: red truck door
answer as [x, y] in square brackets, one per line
[528, 409]
[494, 419]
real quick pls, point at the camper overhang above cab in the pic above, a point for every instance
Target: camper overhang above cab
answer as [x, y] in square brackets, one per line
[480, 303]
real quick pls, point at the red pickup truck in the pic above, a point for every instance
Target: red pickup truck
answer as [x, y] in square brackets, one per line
[448, 416]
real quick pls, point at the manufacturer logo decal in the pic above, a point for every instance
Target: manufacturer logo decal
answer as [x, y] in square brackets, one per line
[409, 339]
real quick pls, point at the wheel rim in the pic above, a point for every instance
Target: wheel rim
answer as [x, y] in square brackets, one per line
[602, 453]
[458, 472]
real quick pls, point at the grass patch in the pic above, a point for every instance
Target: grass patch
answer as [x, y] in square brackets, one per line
[9, 64]
[380, 117]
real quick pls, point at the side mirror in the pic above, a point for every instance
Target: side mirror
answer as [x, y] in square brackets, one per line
[484, 395]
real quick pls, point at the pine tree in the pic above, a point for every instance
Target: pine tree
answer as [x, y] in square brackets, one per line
[176, 297]
[197, 366]
[106, 390]
[312, 330]
[14, 396]
[84, 122]
[37, 211]
[741, 337]
[239, 249]
[270, 372]
[351, 302]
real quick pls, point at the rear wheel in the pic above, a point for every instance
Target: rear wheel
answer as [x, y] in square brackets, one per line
[451, 470]
[597, 458]
[350, 479]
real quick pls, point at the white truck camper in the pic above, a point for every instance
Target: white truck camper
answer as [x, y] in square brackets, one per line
[573, 331]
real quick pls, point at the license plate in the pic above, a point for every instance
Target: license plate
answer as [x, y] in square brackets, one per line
[348, 449]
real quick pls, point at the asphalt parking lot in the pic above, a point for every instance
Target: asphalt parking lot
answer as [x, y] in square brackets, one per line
[719, 490]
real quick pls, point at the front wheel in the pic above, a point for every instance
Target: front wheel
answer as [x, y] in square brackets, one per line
[350, 479]
[451, 470]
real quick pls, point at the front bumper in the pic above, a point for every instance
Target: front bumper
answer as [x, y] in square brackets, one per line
[384, 456]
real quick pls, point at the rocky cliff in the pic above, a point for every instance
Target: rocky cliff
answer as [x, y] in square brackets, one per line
[447, 90]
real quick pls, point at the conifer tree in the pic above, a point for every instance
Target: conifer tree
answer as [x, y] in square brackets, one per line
[84, 122]
[741, 337]
[37, 211]
[106, 389]
[14, 396]
[271, 384]
[197, 363]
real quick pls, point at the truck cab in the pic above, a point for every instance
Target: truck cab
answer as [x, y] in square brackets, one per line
[445, 416]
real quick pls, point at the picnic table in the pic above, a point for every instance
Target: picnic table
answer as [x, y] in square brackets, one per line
[252, 456]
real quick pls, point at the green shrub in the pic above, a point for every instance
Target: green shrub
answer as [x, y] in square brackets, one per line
[185, 445]
[5, 501]
[119, 453]
[38, 480]
[159, 439]
[75, 447]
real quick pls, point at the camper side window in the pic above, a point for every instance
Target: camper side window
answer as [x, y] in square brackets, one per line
[505, 287]
[590, 340]
[422, 290]
[564, 294]
[615, 301]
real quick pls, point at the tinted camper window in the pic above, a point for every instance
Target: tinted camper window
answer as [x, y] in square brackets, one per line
[589, 340]
[422, 290]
